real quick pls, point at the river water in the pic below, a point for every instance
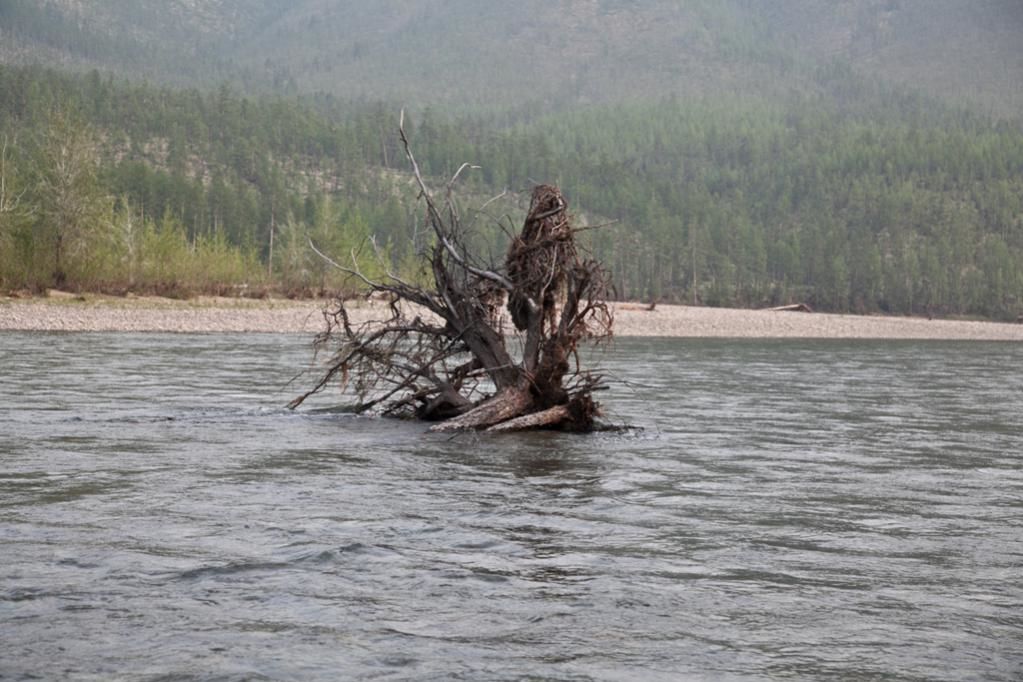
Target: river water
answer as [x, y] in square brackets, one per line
[788, 509]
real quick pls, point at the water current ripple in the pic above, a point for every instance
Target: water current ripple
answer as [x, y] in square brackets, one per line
[787, 509]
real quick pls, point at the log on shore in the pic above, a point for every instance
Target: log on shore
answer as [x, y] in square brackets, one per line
[792, 308]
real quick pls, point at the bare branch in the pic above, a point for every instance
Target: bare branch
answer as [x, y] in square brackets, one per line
[438, 223]
[348, 271]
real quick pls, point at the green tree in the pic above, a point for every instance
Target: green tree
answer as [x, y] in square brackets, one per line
[73, 209]
[293, 258]
[15, 213]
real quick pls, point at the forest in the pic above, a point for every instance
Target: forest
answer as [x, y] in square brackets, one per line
[852, 194]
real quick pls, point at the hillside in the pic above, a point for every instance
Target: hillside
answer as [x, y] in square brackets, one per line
[862, 197]
[467, 54]
[745, 153]
[964, 52]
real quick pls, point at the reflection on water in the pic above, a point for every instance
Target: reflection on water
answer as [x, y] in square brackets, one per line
[788, 509]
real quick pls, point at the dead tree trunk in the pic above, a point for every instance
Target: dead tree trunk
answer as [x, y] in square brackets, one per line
[446, 353]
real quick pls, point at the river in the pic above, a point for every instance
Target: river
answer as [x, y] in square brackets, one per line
[785, 509]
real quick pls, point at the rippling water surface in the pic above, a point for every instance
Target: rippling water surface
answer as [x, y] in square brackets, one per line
[788, 509]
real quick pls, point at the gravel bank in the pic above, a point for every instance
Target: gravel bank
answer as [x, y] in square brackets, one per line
[207, 315]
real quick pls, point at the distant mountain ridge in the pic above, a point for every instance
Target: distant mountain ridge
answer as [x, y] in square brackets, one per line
[467, 53]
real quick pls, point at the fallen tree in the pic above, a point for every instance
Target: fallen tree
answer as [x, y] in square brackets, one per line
[487, 345]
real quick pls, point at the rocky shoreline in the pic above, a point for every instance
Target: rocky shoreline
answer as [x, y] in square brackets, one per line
[70, 313]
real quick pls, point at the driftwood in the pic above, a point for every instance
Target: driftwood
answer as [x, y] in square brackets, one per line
[445, 352]
[793, 308]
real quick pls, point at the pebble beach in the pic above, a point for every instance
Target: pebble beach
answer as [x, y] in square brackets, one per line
[71, 313]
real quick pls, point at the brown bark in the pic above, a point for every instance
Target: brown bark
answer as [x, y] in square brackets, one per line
[504, 406]
[545, 418]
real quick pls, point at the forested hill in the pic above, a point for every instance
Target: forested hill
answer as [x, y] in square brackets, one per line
[548, 55]
[861, 197]
[862, 155]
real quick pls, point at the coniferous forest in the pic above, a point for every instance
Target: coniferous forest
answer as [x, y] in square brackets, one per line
[824, 183]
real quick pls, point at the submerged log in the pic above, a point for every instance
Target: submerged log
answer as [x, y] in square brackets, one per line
[440, 352]
[501, 408]
[558, 414]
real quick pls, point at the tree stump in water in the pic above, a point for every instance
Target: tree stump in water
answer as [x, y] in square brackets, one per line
[440, 353]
